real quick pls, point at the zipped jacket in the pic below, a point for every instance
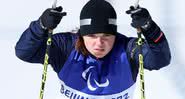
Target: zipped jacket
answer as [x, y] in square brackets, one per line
[86, 77]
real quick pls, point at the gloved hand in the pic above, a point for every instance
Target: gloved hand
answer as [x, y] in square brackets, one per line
[140, 18]
[51, 17]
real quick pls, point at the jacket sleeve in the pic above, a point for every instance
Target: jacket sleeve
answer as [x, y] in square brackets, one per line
[155, 49]
[32, 45]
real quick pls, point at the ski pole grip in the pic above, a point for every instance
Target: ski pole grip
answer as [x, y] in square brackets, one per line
[54, 4]
[136, 4]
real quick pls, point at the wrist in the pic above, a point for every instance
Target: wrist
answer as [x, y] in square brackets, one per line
[153, 34]
[37, 30]
[41, 24]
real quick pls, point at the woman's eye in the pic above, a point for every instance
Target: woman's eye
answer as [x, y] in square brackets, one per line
[107, 35]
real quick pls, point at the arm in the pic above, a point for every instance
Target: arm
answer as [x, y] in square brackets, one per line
[31, 46]
[158, 54]
[155, 50]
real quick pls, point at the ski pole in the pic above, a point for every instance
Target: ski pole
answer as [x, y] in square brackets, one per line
[46, 58]
[141, 62]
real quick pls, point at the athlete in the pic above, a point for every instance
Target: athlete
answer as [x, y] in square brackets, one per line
[97, 62]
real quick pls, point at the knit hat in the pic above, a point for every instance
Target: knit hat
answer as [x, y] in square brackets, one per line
[98, 16]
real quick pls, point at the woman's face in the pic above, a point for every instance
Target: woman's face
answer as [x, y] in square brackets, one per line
[99, 44]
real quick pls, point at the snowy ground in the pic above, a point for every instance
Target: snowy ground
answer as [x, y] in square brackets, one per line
[21, 80]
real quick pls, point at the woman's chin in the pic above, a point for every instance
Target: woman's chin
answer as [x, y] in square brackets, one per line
[98, 55]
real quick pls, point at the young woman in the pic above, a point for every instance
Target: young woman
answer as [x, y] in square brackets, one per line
[97, 62]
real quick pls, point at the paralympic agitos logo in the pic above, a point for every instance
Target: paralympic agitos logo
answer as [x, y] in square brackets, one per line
[87, 75]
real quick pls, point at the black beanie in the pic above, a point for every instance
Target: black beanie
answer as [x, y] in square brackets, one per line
[98, 16]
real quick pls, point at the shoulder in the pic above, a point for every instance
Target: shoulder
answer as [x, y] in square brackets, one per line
[66, 37]
[122, 39]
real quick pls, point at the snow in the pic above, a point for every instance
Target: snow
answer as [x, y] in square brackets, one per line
[21, 80]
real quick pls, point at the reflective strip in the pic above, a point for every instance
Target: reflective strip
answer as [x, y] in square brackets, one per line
[88, 21]
[156, 40]
[112, 21]
[135, 11]
[85, 22]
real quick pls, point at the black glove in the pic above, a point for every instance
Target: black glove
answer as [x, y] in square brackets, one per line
[51, 17]
[140, 18]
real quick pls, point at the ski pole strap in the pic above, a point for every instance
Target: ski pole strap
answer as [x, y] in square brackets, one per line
[141, 64]
[46, 58]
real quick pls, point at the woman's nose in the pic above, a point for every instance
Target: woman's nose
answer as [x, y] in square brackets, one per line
[99, 41]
